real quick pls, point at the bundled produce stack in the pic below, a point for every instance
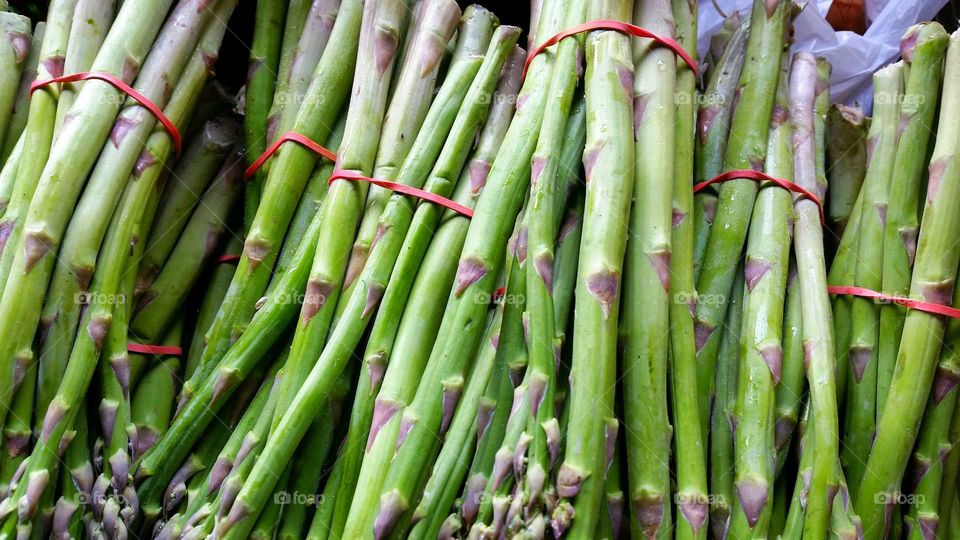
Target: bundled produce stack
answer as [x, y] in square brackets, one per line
[412, 280]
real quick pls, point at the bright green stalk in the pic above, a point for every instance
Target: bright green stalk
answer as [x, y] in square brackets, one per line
[746, 149]
[724, 417]
[846, 162]
[91, 22]
[81, 245]
[261, 79]
[37, 134]
[546, 181]
[761, 353]
[21, 105]
[861, 358]
[713, 127]
[190, 178]
[76, 150]
[395, 223]
[291, 168]
[647, 278]
[307, 469]
[934, 442]
[434, 270]
[216, 289]
[341, 212]
[817, 324]
[933, 280]
[286, 39]
[923, 46]
[269, 519]
[690, 440]
[608, 165]
[14, 53]
[790, 389]
[405, 117]
[159, 304]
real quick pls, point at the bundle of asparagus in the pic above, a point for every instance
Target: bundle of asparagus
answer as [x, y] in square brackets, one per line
[551, 339]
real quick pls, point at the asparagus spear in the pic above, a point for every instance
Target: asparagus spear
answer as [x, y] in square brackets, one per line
[861, 359]
[261, 80]
[13, 59]
[159, 303]
[291, 167]
[690, 442]
[193, 173]
[8, 175]
[923, 46]
[790, 389]
[947, 497]
[21, 104]
[74, 153]
[846, 162]
[724, 418]
[817, 325]
[216, 289]
[647, 277]
[713, 127]
[746, 149]
[294, 23]
[933, 279]
[608, 162]
[546, 182]
[765, 276]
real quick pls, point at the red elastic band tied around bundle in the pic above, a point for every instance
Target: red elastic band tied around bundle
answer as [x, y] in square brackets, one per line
[404, 189]
[298, 138]
[918, 305]
[126, 89]
[162, 350]
[228, 259]
[619, 26]
[749, 174]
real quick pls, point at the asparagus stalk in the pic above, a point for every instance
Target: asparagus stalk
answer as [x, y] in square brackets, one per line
[947, 497]
[21, 105]
[38, 133]
[75, 151]
[158, 304]
[193, 173]
[81, 245]
[294, 23]
[690, 441]
[790, 389]
[14, 54]
[291, 168]
[924, 47]
[91, 22]
[647, 277]
[395, 223]
[724, 416]
[846, 162]
[216, 289]
[765, 276]
[746, 149]
[261, 80]
[8, 175]
[861, 358]
[930, 456]
[546, 182]
[608, 162]
[434, 270]
[817, 324]
[152, 404]
[933, 279]
[713, 127]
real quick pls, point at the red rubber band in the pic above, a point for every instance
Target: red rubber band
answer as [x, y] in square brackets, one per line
[298, 138]
[498, 294]
[919, 305]
[126, 89]
[162, 350]
[619, 26]
[227, 259]
[749, 174]
[404, 189]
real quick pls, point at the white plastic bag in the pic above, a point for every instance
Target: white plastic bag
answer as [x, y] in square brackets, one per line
[854, 57]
